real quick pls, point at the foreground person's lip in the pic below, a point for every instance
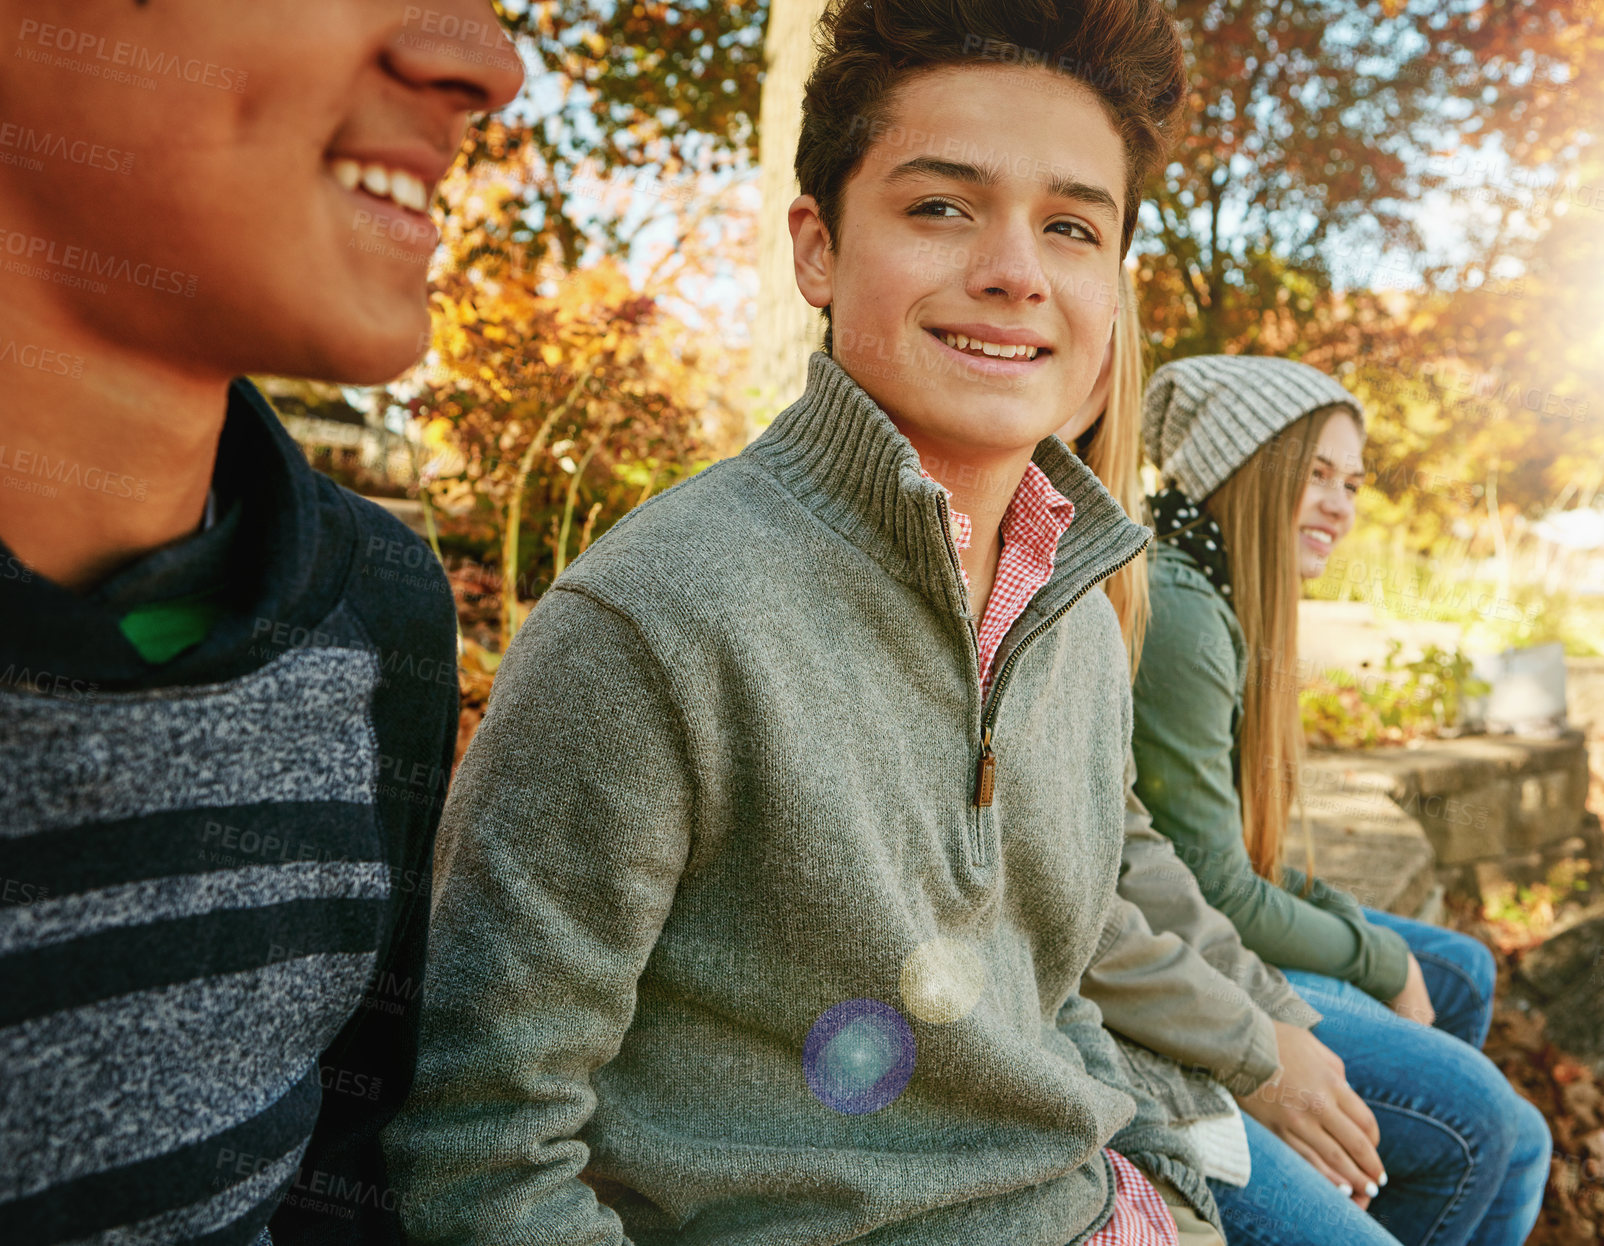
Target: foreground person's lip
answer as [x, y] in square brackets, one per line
[982, 342]
[406, 178]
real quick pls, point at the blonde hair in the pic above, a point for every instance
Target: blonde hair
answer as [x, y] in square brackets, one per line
[1112, 448]
[1257, 510]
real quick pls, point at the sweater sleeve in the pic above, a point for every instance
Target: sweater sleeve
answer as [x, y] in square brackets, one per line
[366, 1071]
[1156, 882]
[1184, 740]
[1148, 1140]
[1319, 893]
[562, 843]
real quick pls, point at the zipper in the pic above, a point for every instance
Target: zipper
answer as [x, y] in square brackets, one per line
[958, 570]
[986, 776]
[986, 769]
[983, 778]
[986, 766]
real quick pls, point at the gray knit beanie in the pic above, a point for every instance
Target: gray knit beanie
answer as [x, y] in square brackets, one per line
[1203, 417]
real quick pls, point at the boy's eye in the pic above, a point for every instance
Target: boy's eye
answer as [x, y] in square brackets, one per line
[935, 207]
[1074, 229]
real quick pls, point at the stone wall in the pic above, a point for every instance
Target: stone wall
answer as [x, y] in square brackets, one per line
[1471, 804]
[1388, 822]
[1486, 797]
[1584, 698]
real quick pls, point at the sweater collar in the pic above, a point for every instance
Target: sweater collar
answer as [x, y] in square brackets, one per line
[840, 455]
[269, 557]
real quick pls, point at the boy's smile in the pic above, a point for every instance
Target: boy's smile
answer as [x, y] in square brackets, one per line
[989, 347]
[386, 191]
[387, 179]
[283, 155]
[972, 288]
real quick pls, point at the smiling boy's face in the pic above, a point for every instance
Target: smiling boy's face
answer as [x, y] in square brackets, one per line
[989, 208]
[263, 168]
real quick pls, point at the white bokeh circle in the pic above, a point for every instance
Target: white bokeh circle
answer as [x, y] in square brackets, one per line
[942, 980]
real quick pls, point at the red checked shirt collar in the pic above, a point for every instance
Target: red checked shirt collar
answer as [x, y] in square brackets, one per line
[1036, 517]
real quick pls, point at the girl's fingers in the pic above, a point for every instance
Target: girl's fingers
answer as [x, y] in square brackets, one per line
[1346, 1134]
[1315, 1162]
[1318, 1138]
[1350, 1105]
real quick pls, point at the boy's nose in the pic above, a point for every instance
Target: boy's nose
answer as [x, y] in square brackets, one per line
[457, 46]
[1008, 264]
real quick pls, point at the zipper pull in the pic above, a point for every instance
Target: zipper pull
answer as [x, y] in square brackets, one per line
[986, 775]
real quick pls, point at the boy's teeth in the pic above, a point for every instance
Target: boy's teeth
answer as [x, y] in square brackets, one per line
[408, 191]
[959, 341]
[393, 184]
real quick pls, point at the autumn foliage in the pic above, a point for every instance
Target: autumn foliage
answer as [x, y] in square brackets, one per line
[555, 398]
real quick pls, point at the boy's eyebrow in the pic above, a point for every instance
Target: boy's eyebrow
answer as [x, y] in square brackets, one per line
[1061, 186]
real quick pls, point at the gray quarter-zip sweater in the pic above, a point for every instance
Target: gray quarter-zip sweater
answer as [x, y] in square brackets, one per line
[723, 949]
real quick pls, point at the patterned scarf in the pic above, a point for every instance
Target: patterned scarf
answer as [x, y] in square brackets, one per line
[1184, 524]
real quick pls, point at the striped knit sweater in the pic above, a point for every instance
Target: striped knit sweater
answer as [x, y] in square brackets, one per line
[214, 872]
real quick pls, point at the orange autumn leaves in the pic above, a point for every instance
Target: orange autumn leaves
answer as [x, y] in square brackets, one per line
[552, 407]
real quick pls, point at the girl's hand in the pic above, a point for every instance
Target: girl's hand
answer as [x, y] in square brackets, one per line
[1309, 1105]
[1413, 1001]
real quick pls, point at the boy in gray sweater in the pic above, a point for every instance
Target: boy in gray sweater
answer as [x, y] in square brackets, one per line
[768, 884]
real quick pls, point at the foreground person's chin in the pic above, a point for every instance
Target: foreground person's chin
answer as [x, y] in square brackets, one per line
[376, 362]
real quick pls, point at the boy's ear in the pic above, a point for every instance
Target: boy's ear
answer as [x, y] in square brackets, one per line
[810, 252]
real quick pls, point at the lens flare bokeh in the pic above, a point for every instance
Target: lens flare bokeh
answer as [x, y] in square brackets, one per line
[858, 1056]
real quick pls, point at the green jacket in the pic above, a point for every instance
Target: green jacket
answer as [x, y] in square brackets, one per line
[726, 784]
[1191, 1007]
[1188, 705]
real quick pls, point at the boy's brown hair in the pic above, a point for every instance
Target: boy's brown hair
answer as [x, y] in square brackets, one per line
[1127, 52]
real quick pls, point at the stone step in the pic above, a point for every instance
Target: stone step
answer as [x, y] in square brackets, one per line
[1457, 805]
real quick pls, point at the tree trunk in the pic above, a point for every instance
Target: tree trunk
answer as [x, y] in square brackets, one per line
[786, 330]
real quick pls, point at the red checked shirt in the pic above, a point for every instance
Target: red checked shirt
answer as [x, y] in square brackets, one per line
[1036, 517]
[1140, 1217]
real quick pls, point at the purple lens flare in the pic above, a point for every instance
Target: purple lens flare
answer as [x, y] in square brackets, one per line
[858, 1056]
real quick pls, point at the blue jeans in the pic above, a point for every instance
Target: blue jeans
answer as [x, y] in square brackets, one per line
[1466, 1157]
[1287, 1202]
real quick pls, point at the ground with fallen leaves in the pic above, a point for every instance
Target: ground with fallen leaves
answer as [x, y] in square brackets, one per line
[1568, 1090]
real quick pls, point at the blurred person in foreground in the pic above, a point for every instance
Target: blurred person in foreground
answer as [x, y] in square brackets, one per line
[225, 723]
